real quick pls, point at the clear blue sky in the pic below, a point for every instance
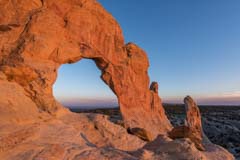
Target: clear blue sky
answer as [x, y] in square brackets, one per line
[193, 47]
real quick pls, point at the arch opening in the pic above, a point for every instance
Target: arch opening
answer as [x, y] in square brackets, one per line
[79, 86]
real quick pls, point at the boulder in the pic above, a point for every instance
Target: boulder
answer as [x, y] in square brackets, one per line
[185, 132]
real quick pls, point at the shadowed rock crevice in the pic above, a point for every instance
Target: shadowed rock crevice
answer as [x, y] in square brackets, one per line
[5, 28]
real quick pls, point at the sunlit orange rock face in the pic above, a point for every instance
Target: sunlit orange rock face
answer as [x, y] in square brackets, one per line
[36, 38]
[193, 128]
[39, 36]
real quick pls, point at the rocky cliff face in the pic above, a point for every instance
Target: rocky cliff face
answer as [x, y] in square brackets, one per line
[36, 37]
[39, 36]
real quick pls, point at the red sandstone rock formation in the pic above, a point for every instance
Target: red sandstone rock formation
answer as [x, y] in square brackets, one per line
[193, 130]
[193, 117]
[36, 38]
[39, 36]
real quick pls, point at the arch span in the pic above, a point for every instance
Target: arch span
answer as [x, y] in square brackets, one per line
[49, 34]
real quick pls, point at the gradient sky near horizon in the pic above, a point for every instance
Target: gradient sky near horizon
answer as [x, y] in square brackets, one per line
[193, 47]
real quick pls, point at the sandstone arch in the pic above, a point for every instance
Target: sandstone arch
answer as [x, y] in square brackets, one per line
[39, 37]
[36, 37]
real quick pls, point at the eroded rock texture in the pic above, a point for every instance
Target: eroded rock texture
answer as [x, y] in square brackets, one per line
[39, 36]
[193, 118]
[193, 127]
[194, 122]
[36, 38]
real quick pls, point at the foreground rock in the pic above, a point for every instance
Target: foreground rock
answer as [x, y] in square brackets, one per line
[221, 124]
[193, 128]
[193, 118]
[37, 37]
[93, 136]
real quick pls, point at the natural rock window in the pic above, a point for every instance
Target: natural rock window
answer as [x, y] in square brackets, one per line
[79, 86]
